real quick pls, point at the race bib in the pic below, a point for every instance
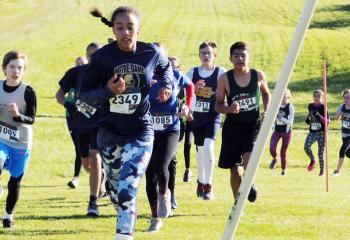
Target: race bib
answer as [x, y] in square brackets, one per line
[316, 126]
[86, 109]
[9, 133]
[346, 124]
[280, 122]
[201, 106]
[125, 103]
[247, 104]
[160, 123]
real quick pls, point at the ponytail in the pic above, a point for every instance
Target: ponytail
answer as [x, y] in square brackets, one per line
[96, 12]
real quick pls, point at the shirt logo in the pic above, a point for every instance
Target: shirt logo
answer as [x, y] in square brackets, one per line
[131, 72]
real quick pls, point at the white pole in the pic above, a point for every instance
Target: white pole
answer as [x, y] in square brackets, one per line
[281, 85]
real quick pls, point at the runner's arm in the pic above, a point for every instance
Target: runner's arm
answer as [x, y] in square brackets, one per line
[30, 99]
[264, 89]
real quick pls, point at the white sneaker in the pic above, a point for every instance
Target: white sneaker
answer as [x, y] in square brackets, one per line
[119, 236]
[73, 183]
[336, 173]
[164, 205]
[155, 225]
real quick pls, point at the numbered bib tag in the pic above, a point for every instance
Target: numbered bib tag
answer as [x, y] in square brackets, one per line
[247, 104]
[125, 103]
[8, 133]
[346, 124]
[160, 123]
[201, 106]
[86, 109]
[316, 126]
[280, 122]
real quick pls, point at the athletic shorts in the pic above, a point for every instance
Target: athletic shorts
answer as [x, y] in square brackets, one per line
[237, 139]
[87, 142]
[14, 160]
[209, 130]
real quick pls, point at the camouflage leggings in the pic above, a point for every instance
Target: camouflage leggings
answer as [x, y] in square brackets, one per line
[311, 138]
[125, 165]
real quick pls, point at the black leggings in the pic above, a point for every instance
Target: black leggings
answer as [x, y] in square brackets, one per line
[345, 147]
[188, 144]
[77, 162]
[164, 148]
[13, 187]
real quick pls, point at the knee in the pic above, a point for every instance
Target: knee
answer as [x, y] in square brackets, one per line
[125, 197]
[14, 183]
[86, 165]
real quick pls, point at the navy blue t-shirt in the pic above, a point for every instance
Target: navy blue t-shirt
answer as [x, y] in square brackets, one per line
[125, 116]
[164, 114]
[80, 122]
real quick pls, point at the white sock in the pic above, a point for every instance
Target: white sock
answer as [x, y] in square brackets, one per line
[209, 160]
[7, 216]
[2, 162]
[119, 236]
[200, 164]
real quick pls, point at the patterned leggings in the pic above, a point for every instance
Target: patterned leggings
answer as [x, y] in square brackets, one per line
[311, 138]
[125, 165]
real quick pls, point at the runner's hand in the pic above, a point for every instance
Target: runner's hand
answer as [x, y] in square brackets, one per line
[116, 84]
[184, 111]
[13, 110]
[234, 108]
[199, 85]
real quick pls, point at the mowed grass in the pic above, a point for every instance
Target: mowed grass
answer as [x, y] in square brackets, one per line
[292, 207]
[54, 33]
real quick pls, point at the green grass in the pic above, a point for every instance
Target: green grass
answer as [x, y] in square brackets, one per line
[54, 33]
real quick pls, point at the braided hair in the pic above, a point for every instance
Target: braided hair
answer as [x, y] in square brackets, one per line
[96, 12]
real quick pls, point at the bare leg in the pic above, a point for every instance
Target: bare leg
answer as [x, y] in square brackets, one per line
[95, 172]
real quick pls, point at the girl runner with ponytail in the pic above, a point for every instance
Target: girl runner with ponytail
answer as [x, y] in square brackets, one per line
[17, 114]
[166, 124]
[118, 80]
[206, 121]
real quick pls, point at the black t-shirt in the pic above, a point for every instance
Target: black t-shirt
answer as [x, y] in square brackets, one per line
[315, 114]
[30, 99]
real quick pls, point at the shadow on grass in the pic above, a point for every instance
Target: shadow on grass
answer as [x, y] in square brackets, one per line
[40, 232]
[337, 21]
[67, 217]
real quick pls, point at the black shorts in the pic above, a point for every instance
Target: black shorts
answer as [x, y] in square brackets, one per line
[237, 139]
[209, 130]
[87, 142]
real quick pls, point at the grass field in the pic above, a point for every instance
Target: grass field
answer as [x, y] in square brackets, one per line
[54, 33]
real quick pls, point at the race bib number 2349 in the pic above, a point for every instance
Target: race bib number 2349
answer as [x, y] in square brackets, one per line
[125, 103]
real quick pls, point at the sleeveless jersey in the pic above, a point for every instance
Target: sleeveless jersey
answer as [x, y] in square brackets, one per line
[315, 124]
[204, 108]
[14, 134]
[247, 97]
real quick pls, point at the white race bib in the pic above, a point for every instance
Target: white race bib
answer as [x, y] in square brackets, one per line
[160, 122]
[9, 134]
[125, 103]
[201, 106]
[346, 124]
[86, 109]
[247, 104]
[316, 126]
[280, 122]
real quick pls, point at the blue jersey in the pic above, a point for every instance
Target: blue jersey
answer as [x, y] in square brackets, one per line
[124, 116]
[204, 108]
[80, 122]
[164, 114]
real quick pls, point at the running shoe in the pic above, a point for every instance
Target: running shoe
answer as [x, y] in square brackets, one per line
[164, 205]
[311, 166]
[7, 223]
[174, 204]
[74, 183]
[253, 194]
[155, 225]
[92, 209]
[208, 193]
[187, 175]
[335, 174]
[321, 173]
[284, 173]
[200, 189]
[273, 164]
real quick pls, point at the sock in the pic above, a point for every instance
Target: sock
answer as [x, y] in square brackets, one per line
[200, 164]
[93, 199]
[119, 236]
[7, 215]
[209, 160]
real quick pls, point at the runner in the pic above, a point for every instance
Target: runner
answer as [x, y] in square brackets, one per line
[316, 120]
[282, 130]
[166, 124]
[17, 114]
[119, 79]
[80, 122]
[206, 122]
[242, 86]
[343, 114]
